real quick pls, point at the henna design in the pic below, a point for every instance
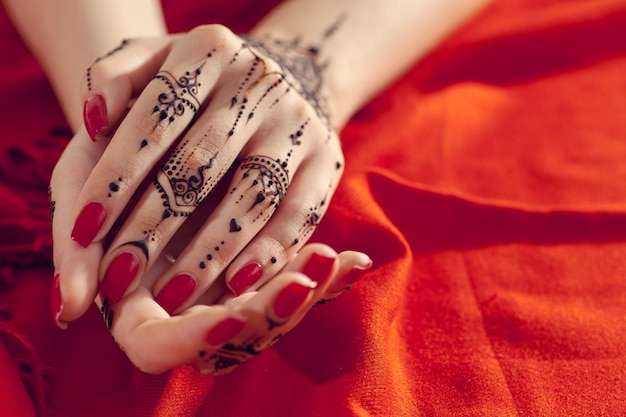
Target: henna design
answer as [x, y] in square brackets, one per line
[108, 54]
[52, 205]
[234, 226]
[114, 187]
[107, 314]
[271, 178]
[300, 71]
[324, 301]
[181, 95]
[182, 186]
[311, 221]
[231, 355]
[209, 256]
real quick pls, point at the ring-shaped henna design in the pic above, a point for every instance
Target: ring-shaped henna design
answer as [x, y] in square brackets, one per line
[183, 186]
[180, 95]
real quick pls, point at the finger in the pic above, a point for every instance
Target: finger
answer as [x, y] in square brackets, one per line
[290, 227]
[256, 190]
[163, 110]
[352, 267]
[214, 338]
[317, 261]
[76, 273]
[112, 80]
[270, 313]
[153, 341]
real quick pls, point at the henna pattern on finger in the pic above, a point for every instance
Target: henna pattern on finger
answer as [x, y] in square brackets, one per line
[107, 314]
[114, 186]
[270, 180]
[312, 219]
[183, 186]
[233, 354]
[180, 95]
[108, 54]
[52, 205]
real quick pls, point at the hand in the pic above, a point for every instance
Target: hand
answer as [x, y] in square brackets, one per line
[218, 337]
[221, 108]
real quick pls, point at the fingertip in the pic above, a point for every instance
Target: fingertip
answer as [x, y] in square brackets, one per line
[119, 275]
[95, 115]
[56, 302]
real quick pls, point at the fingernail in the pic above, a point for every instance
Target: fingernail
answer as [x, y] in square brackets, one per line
[290, 299]
[245, 278]
[224, 331]
[356, 273]
[318, 268]
[89, 223]
[119, 275]
[56, 302]
[176, 292]
[95, 115]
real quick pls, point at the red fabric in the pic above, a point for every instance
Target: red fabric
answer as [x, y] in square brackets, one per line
[488, 185]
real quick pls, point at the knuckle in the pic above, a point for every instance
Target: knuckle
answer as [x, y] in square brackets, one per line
[212, 33]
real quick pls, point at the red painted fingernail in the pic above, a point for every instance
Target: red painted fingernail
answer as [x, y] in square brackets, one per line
[224, 331]
[89, 223]
[356, 273]
[245, 278]
[119, 275]
[95, 115]
[290, 299]
[176, 292]
[56, 302]
[318, 268]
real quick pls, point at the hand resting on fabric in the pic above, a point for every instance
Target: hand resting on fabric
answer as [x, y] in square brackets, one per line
[241, 122]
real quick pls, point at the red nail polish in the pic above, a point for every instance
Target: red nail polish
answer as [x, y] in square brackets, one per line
[89, 223]
[224, 331]
[290, 299]
[176, 292]
[56, 302]
[318, 268]
[95, 115]
[119, 276]
[245, 278]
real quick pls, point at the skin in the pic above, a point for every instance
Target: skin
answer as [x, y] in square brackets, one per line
[256, 97]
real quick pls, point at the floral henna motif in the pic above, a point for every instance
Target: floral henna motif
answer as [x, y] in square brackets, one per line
[180, 95]
[183, 186]
[270, 180]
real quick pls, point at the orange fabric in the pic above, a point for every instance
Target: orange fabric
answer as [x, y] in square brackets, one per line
[489, 187]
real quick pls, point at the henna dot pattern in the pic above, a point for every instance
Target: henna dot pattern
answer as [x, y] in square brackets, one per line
[300, 69]
[182, 185]
[114, 187]
[266, 180]
[231, 355]
[180, 95]
[108, 54]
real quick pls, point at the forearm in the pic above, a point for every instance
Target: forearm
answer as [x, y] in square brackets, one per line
[67, 35]
[375, 41]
